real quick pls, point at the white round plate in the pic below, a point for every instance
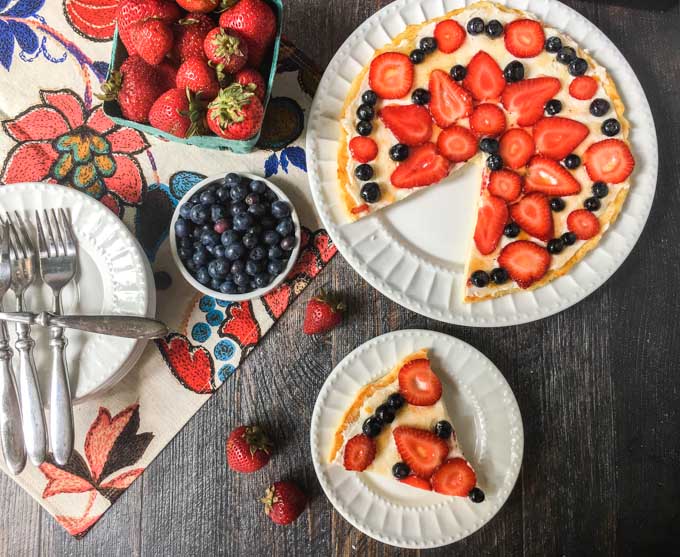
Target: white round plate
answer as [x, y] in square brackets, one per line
[414, 252]
[258, 293]
[112, 278]
[489, 427]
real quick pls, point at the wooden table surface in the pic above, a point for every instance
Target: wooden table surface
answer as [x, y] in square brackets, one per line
[597, 386]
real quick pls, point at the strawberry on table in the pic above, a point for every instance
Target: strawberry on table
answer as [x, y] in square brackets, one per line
[423, 167]
[252, 80]
[556, 137]
[492, 217]
[516, 147]
[236, 113]
[448, 101]
[583, 87]
[359, 452]
[411, 124]
[131, 11]
[177, 112]
[415, 481]
[284, 502]
[550, 177]
[363, 149]
[454, 477]
[532, 213]
[527, 98]
[524, 38]
[203, 6]
[583, 223]
[457, 143]
[449, 35]
[609, 161]
[323, 313]
[190, 32]
[199, 78]
[505, 184]
[525, 261]
[487, 120]
[226, 50]
[152, 39]
[248, 449]
[421, 449]
[255, 21]
[484, 78]
[418, 384]
[391, 75]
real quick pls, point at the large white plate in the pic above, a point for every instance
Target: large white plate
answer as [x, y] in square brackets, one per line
[414, 252]
[112, 278]
[489, 427]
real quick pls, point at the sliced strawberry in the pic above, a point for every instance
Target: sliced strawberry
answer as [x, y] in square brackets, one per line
[391, 75]
[363, 149]
[516, 147]
[556, 137]
[415, 481]
[583, 223]
[421, 449]
[449, 35]
[487, 120]
[583, 87]
[359, 452]
[424, 166]
[411, 124]
[484, 78]
[457, 143]
[609, 161]
[525, 261]
[418, 384]
[524, 38]
[492, 217]
[527, 98]
[448, 100]
[532, 214]
[505, 184]
[549, 177]
[455, 477]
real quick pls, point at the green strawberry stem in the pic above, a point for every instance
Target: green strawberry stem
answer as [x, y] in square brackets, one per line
[228, 104]
[196, 114]
[334, 302]
[111, 87]
[226, 45]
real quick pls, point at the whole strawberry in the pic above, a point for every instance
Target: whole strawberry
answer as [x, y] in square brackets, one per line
[323, 313]
[199, 78]
[226, 50]
[236, 113]
[284, 502]
[248, 449]
[204, 6]
[249, 76]
[190, 32]
[167, 75]
[256, 21]
[152, 39]
[131, 11]
[177, 112]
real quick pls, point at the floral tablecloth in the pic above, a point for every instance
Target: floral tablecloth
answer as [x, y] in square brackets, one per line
[53, 58]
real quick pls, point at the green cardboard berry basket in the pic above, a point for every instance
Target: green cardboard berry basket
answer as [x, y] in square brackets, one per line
[267, 69]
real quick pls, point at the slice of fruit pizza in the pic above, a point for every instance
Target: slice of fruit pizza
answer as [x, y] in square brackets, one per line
[399, 426]
[496, 87]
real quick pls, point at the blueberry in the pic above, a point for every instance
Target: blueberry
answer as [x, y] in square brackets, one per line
[599, 107]
[242, 289]
[288, 243]
[190, 265]
[228, 286]
[479, 279]
[275, 267]
[275, 252]
[280, 209]
[592, 204]
[385, 414]
[611, 127]
[557, 204]
[218, 250]
[369, 97]
[185, 211]
[420, 96]
[572, 161]
[511, 230]
[230, 237]
[241, 279]
[208, 197]
[199, 214]
[202, 276]
[210, 238]
[476, 495]
[370, 192]
[417, 55]
[270, 195]
[578, 66]
[238, 192]
[565, 55]
[285, 227]
[185, 242]
[475, 26]
[443, 429]
[395, 401]
[252, 199]
[494, 162]
[232, 179]
[217, 212]
[237, 266]
[271, 237]
[256, 229]
[489, 145]
[222, 194]
[182, 228]
[262, 280]
[400, 470]
[184, 253]
[371, 427]
[195, 199]
[428, 44]
[364, 127]
[257, 186]
[252, 283]
[556, 245]
[258, 209]
[243, 221]
[218, 268]
[600, 189]
[399, 152]
[569, 238]
[258, 253]
[553, 44]
[365, 112]
[215, 284]
[200, 257]
[238, 208]
[222, 225]
[458, 72]
[267, 223]
[253, 267]
[553, 107]
[499, 275]
[234, 251]
[494, 28]
[363, 172]
[210, 249]
[250, 240]
[514, 71]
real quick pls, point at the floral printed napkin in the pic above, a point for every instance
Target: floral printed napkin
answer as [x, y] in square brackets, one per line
[52, 62]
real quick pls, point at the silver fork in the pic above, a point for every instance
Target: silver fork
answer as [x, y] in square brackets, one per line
[22, 257]
[58, 260]
[11, 436]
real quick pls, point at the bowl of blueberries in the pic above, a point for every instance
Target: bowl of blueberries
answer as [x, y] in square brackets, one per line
[235, 237]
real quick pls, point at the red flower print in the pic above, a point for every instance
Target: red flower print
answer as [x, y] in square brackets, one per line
[60, 141]
[191, 365]
[241, 325]
[93, 19]
[111, 444]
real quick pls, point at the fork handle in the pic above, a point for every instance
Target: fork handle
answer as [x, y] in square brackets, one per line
[32, 416]
[61, 409]
[11, 435]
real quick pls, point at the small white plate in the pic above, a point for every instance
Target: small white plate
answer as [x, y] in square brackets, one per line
[414, 252]
[484, 412]
[254, 293]
[112, 278]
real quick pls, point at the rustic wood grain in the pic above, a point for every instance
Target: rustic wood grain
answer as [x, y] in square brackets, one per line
[597, 386]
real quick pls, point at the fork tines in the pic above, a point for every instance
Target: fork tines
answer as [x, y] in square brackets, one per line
[55, 244]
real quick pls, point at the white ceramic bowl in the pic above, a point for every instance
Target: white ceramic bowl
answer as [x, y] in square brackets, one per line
[248, 295]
